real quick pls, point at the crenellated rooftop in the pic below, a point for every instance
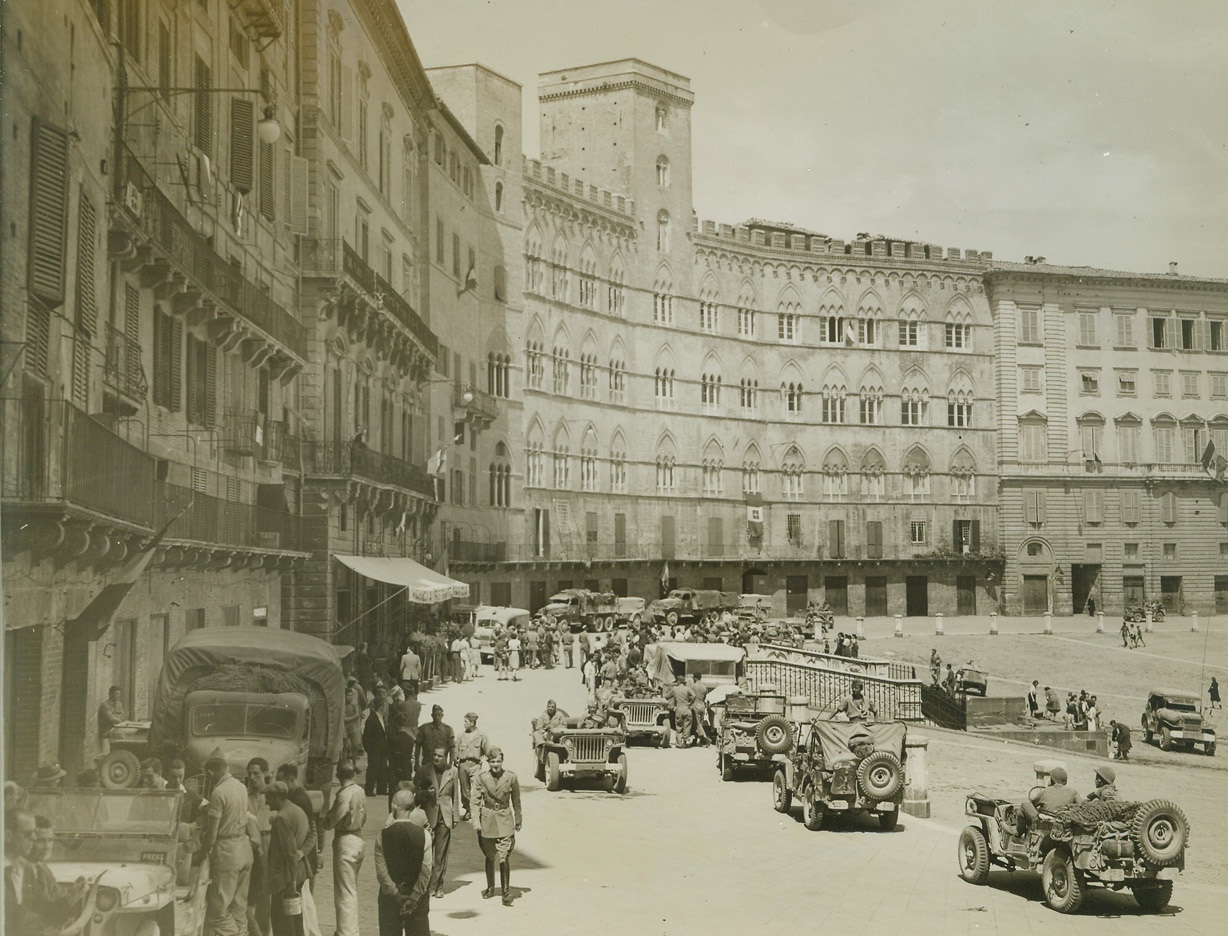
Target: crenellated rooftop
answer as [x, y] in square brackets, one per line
[578, 188]
[777, 236]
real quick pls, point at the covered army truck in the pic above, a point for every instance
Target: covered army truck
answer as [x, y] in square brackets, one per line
[252, 691]
[687, 605]
[585, 610]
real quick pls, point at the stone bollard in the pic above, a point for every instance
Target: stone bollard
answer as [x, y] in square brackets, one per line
[1149, 622]
[1099, 622]
[861, 628]
[938, 624]
[899, 625]
[993, 623]
[1048, 622]
[1194, 621]
[916, 796]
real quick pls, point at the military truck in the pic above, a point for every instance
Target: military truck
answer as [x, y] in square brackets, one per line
[1110, 844]
[135, 856]
[1174, 717]
[687, 605]
[585, 610]
[843, 769]
[246, 691]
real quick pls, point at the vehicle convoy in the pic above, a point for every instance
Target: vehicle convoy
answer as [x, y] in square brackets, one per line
[843, 768]
[246, 691]
[585, 610]
[1174, 717]
[569, 752]
[687, 605]
[1102, 843]
[135, 856]
[754, 729]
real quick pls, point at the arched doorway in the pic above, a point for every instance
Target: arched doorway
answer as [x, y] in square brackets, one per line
[1035, 576]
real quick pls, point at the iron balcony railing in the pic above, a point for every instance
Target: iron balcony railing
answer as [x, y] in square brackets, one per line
[476, 404]
[335, 257]
[358, 459]
[59, 454]
[466, 551]
[163, 222]
[563, 548]
[122, 372]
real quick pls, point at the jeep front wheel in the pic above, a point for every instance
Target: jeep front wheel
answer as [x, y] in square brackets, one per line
[1061, 880]
[620, 785]
[813, 812]
[554, 777]
[973, 856]
[782, 796]
[119, 770]
[1153, 896]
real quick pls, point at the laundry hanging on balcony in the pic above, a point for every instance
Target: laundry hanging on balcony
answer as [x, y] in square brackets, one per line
[422, 585]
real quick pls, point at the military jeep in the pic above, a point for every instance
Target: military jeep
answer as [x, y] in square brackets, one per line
[1174, 717]
[843, 768]
[753, 729]
[571, 752]
[1111, 844]
[134, 854]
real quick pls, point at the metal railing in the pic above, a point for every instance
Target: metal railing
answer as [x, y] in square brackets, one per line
[865, 666]
[214, 520]
[122, 371]
[355, 458]
[565, 549]
[466, 551]
[944, 709]
[479, 405]
[163, 222]
[335, 257]
[241, 432]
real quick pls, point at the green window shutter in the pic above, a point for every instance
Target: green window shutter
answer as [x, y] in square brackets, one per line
[87, 296]
[48, 212]
[242, 135]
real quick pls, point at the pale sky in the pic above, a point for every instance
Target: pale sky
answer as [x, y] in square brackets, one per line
[1091, 133]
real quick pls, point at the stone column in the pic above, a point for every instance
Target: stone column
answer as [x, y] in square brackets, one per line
[1099, 622]
[916, 795]
[899, 625]
[1194, 621]
[1048, 622]
[993, 622]
[1149, 621]
[861, 628]
[938, 624]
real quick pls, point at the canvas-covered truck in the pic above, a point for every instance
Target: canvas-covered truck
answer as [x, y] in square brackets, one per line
[688, 605]
[585, 610]
[247, 692]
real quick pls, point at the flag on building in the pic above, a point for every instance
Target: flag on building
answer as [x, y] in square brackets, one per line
[1208, 454]
[665, 576]
[438, 464]
[850, 332]
[754, 516]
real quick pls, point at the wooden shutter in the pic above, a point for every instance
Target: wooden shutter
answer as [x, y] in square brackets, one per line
[48, 212]
[1032, 509]
[242, 136]
[1222, 508]
[131, 357]
[81, 372]
[835, 537]
[161, 358]
[203, 135]
[1093, 506]
[38, 337]
[87, 296]
[176, 365]
[1129, 507]
[298, 194]
[976, 536]
[267, 190]
[1168, 507]
[164, 61]
[210, 359]
[874, 539]
[347, 104]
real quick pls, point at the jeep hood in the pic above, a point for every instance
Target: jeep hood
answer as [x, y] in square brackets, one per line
[141, 886]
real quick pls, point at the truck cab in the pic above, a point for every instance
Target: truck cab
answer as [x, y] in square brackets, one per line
[243, 725]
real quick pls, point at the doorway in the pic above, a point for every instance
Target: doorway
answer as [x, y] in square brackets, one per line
[1170, 593]
[1221, 594]
[965, 594]
[796, 596]
[752, 581]
[1134, 590]
[836, 592]
[876, 595]
[917, 603]
[1084, 587]
[537, 595]
[1035, 594]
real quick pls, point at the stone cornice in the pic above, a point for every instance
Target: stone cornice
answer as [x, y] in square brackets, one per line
[586, 212]
[604, 88]
[396, 50]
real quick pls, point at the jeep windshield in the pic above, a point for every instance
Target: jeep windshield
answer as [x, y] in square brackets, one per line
[108, 812]
[243, 720]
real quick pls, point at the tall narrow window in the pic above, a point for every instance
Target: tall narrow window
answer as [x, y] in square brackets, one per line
[203, 112]
[498, 144]
[662, 172]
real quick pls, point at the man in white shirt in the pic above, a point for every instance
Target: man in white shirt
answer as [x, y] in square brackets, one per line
[411, 671]
[346, 818]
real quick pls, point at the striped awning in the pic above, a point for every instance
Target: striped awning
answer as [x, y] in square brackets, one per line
[422, 585]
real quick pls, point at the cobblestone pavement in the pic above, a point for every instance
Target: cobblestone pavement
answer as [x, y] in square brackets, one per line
[683, 853]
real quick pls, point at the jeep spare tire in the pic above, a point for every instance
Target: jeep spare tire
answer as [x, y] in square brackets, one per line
[1160, 832]
[119, 770]
[774, 734]
[880, 776]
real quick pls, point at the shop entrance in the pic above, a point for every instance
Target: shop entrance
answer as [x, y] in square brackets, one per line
[917, 596]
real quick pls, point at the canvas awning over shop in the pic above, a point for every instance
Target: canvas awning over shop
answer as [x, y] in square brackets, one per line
[422, 585]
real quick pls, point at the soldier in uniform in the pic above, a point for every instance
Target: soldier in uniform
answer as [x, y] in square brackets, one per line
[699, 710]
[679, 698]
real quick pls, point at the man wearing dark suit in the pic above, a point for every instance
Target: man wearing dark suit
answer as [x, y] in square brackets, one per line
[403, 874]
[375, 743]
[32, 901]
[442, 807]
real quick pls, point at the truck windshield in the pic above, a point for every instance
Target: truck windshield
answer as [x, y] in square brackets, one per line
[242, 719]
[108, 812]
[1181, 705]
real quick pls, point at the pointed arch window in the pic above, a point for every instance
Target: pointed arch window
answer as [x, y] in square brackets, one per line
[662, 230]
[958, 330]
[664, 387]
[833, 404]
[562, 467]
[749, 396]
[662, 172]
[535, 460]
[618, 380]
[500, 483]
[588, 464]
[615, 295]
[714, 469]
[498, 375]
[835, 476]
[873, 476]
[561, 358]
[870, 405]
[710, 391]
[750, 476]
[588, 376]
[914, 405]
[917, 475]
[588, 281]
[963, 479]
[791, 393]
[498, 144]
[618, 470]
[707, 315]
[560, 282]
[792, 473]
[535, 364]
[665, 474]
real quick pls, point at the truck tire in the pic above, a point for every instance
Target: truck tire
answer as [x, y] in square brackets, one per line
[774, 734]
[1160, 832]
[620, 785]
[671, 618]
[554, 778]
[726, 767]
[880, 776]
[119, 770]
[1063, 882]
[973, 855]
[664, 742]
[782, 796]
[888, 820]
[1152, 896]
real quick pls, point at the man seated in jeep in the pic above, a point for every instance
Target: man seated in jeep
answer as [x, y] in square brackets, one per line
[1106, 785]
[593, 718]
[855, 706]
[552, 717]
[1052, 798]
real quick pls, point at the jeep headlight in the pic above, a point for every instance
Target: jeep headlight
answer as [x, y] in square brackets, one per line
[568, 746]
[107, 899]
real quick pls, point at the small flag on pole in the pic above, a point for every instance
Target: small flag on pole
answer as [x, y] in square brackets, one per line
[1208, 454]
